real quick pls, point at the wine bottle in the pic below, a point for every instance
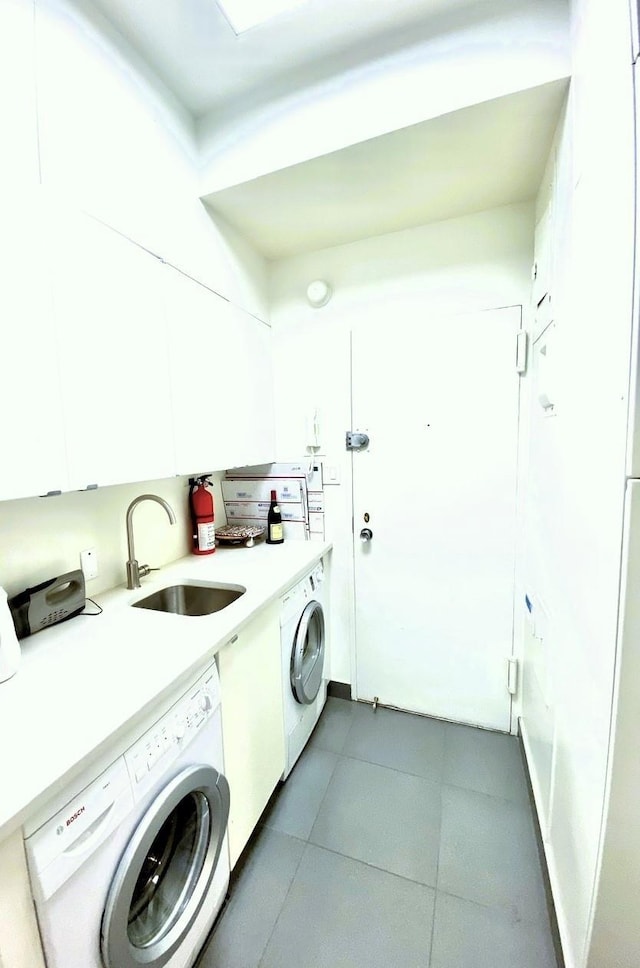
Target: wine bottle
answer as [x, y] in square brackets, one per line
[275, 532]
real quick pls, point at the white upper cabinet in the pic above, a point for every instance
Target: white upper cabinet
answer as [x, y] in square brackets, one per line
[220, 379]
[113, 353]
[19, 155]
[102, 146]
[203, 436]
[248, 392]
[33, 430]
[96, 374]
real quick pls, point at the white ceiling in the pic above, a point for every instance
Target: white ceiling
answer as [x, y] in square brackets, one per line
[460, 162]
[190, 45]
[487, 155]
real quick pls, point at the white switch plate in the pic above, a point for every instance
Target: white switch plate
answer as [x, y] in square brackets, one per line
[89, 563]
[331, 474]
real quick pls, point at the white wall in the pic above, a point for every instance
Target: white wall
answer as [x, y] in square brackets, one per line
[577, 460]
[475, 262]
[498, 52]
[43, 537]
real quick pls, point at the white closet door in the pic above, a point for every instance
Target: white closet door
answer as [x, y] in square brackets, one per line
[113, 353]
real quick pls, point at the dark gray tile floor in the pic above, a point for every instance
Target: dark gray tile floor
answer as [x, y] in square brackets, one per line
[396, 842]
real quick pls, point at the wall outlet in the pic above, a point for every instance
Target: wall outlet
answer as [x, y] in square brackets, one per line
[89, 563]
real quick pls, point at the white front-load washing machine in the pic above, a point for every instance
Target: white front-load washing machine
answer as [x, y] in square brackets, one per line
[303, 634]
[130, 868]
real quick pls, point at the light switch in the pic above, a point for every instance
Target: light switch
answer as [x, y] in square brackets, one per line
[331, 474]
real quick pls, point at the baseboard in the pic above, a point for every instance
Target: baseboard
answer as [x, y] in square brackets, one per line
[339, 690]
[551, 909]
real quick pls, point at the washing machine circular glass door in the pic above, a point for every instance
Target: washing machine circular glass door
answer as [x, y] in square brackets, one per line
[165, 871]
[307, 656]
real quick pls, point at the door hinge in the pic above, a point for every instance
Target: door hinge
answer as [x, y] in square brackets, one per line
[522, 344]
[512, 676]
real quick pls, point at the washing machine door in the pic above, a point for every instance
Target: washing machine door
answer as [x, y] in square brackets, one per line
[165, 871]
[307, 656]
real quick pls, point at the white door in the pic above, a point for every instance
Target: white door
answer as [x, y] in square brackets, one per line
[434, 585]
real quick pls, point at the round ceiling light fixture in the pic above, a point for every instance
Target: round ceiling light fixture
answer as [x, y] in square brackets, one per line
[319, 293]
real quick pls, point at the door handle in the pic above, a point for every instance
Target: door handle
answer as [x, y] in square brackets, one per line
[366, 535]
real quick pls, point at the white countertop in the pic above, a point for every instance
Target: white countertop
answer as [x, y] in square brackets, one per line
[82, 685]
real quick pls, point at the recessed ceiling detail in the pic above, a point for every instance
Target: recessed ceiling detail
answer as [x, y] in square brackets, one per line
[194, 51]
[245, 14]
[477, 158]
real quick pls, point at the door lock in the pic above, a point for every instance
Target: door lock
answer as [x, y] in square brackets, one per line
[357, 440]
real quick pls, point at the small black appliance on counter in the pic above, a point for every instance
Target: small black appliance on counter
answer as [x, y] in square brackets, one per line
[55, 600]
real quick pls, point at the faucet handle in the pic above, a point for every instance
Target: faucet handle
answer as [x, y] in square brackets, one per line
[143, 570]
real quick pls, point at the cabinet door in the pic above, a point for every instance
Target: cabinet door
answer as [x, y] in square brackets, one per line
[19, 938]
[33, 438]
[248, 352]
[113, 353]
[220, 379]
[101, 144]
[252, 722]
[202, 416]
[19, 157]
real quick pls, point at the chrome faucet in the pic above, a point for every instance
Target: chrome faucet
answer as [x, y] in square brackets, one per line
[135, 571]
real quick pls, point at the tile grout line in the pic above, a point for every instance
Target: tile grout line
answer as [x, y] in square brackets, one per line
[435, 898]
[500, 908]
[384, 766]
[326, 792]
[279, 915]
[307, 843]
[373, 867]
[432, 778]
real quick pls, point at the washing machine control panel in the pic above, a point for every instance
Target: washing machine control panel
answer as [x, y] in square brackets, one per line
[162, 743]
[317, 576]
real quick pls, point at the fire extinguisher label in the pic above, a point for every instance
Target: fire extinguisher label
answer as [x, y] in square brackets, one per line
[206, 536]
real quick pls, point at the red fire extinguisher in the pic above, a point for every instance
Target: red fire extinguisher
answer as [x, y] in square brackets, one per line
[202, 516]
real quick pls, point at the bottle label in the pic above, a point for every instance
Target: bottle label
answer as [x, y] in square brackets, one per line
[206, 536]
[276, 532]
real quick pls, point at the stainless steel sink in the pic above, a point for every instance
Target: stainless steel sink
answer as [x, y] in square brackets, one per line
[192, 598]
